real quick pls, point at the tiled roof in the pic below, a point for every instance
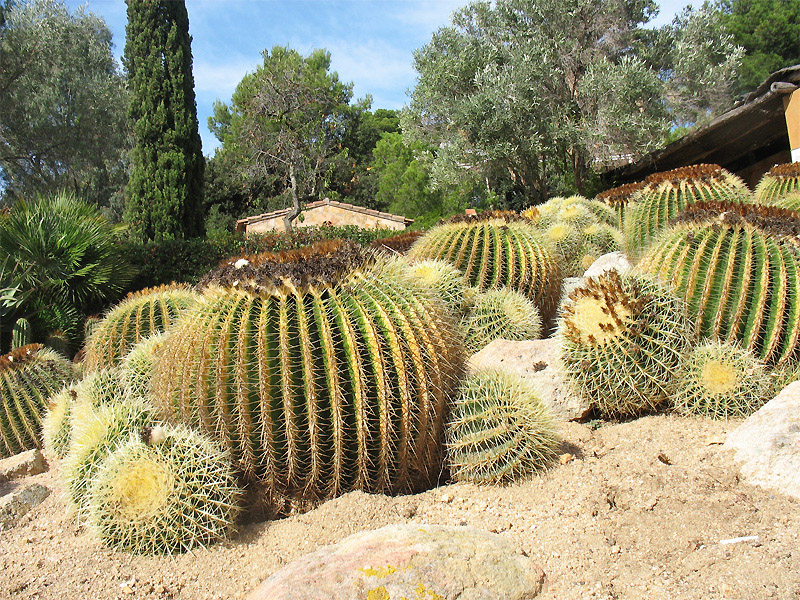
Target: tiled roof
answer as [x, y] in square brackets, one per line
[275, 214]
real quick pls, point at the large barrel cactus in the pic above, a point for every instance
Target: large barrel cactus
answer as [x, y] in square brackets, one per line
[667, 194]
[619, 198]
[738, 267]
[496, 250]
[28, 376]
[140, 315]
[779, 181]
[319, 370]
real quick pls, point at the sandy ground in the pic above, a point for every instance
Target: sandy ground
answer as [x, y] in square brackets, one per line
[638, 513]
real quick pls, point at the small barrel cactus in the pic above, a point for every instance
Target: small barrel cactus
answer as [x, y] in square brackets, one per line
[721, 380]
[667, 194]
[620, 339]
[167, 490]
[496, 250]
[136, 368]
[738, 268]
[319, 370]
[21, 334]
[56, 429]
[502, 314]
[619, 198]
[28, 377]
[140, 315]
[779, 181]
[442, 278]
[499, 430]
[89, 325]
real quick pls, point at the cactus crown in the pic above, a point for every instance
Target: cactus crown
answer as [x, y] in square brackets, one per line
[769, 220]
[509, 216]
[691, 173]
[788, 170]
[397, 243]
[621, 194]
[18, 357]
[264, 274]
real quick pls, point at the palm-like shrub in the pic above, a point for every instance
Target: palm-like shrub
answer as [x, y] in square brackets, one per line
[68, 261]
[319, 370]
[779, 181]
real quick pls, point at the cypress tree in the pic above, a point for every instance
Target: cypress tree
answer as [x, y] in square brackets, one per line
[164, 193]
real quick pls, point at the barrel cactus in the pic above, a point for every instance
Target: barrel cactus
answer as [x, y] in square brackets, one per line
[667, 194]
[167, 490]
[721, 380]
[440, 277]
[495, 250]
[28, 377]
[136, 368]
[620, 339]
[738, 267]
[399, 243]
[619, 199]
[779, 181]
[21, 333]
[500, 314]
[499, 430]
[141, 314]
[56, 430]
[318, 369]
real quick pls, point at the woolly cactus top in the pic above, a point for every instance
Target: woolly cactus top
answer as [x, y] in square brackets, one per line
[692, 172]
[508, 216]
[784, 170]
[320, 264]
[19, 356]
[620, 194]
[771, 220]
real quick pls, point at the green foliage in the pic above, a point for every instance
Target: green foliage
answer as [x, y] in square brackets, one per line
[164, 195]
[666, 194]
[69, 261]
[170, 493]
[21, 334]
[620, 340]
[320, 375]
[500, 430]
[149, 311]
[497, 250]
[28, 376]
[779, 186]
[722, 381]
[737, 266]
[502, 313]
[62, 106]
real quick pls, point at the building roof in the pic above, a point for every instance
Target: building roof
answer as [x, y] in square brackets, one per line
[242, 223]
[752, 130]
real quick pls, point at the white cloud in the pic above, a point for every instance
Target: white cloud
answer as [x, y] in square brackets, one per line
[222, 79]
[427, 14]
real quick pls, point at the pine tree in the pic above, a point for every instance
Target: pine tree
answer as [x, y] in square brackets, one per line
[164, 193]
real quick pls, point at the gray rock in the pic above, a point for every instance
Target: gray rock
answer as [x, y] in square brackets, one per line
[535, 360]
[16, 504]
[613, 260]
[570, 283]
[767, 443]
[409, 561]
[26, 463]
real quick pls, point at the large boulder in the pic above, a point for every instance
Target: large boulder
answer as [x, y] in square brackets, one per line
[534, 360]
[617, 261]
[20, 465]
[16, 504]
[767, 443]
[409, 561]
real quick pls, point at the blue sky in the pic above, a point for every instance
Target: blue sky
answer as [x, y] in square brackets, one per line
[371, 41]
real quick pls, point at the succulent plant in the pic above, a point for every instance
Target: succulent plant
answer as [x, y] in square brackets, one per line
[619, 199]
[58, 341]
[499, 430]
[28, 376]
[319, 370]
[666, 194]
[441, 277]
[95, 432]
[399, 243]
[21, 334]
[721, 380]
[496, 250]
[167, 490]
[779, 181]
[89, 325]
[56, 430]
[500, 314]
[136, 368]
[738, 267]
[141, 314]
[619, 339]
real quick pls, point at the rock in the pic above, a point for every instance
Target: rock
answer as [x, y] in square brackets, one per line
[568, 284]
[409, 561]
[26, 463]
[767, 443]
[534, 360]
[16, 504]
[613, 260]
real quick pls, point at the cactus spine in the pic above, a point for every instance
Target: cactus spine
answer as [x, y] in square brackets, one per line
[500, 314]
[21, 334]
[167, 490]
[738, 267]
[620, 338]
[619, 199]
[148, 311]
[499, 430]
[56, 432]
[28, 376]
[779, 181]
[320, 372]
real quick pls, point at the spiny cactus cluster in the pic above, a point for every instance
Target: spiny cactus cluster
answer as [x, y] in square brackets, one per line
[499, 430]
[738, 267]
[502, 314]
[777, 183]
[666, 194]
[620, 339]
[21, 334]
[167, 490]
[496, 250]
[28, 376]
[318, 369]
[141, 314]
[721, 380]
